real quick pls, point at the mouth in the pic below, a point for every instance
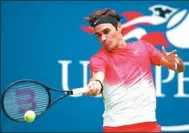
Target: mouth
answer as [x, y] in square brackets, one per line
[107, 44]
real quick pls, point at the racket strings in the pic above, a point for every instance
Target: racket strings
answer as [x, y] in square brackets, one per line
[25, 96]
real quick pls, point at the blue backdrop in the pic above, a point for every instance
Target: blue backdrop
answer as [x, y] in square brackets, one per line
[45, 41]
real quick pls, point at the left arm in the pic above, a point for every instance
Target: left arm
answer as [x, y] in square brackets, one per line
[172, 61]
[169, 60]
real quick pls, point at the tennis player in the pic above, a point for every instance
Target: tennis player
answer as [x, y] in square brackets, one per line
[122, 73]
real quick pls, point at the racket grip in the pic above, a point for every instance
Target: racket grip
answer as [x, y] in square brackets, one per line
[79, 91]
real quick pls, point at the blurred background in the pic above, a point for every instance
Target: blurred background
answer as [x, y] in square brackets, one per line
[51, 42]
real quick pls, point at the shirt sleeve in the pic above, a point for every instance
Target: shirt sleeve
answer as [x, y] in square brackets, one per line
[97, 64]
[154, 54]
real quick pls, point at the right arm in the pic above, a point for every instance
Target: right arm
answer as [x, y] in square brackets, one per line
[96, 82]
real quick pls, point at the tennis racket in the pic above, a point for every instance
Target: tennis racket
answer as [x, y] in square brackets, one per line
[23, 95]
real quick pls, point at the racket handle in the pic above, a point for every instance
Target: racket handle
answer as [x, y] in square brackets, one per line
[79, 91]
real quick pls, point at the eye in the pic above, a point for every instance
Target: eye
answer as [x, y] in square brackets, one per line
[98, 35]
[106, 31]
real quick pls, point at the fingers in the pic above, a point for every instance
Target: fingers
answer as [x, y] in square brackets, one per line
[172, 56]
[94, 88]
[163, 51]
[173, 52]
[93, 92]
[176, 59]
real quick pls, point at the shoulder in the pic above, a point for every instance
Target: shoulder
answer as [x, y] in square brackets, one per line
[102, 54]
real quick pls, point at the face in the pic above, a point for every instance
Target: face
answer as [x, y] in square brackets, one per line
[108, 35]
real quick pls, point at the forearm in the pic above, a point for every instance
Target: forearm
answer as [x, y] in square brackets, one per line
[97, 76]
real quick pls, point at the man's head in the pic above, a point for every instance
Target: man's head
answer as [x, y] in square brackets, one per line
[107, 27]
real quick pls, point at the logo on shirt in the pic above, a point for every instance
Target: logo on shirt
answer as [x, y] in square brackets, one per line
[136, 51]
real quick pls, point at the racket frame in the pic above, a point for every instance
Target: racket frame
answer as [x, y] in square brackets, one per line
[50, 103]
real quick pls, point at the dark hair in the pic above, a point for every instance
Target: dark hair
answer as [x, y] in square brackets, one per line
[102, 12]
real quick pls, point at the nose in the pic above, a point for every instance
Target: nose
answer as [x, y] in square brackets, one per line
[103, 38]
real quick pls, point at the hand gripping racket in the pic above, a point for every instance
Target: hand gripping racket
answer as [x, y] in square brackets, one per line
[26, 94]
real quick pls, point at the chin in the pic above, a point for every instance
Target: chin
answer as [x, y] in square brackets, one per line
[109, 49]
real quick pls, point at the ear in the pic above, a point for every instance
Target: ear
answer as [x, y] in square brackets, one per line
[119, 27]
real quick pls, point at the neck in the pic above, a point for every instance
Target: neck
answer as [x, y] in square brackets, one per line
[121, 44]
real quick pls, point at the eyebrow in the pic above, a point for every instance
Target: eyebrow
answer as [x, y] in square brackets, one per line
[96, 33]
